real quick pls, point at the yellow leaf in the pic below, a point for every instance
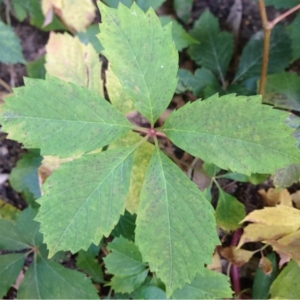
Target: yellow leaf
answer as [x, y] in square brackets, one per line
[216, 264]
[117, 95]
[72, 61]
[263, 232]
[236, 256]
[142, 158]
[8, 211]
[288, 245]
[273, 197]
[278, 216]
[77, 14]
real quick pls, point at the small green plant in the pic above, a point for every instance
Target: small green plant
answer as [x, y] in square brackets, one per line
[112, 168]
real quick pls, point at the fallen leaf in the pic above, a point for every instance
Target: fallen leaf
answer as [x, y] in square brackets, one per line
[273, 197]
[279, 215]
[236, 256]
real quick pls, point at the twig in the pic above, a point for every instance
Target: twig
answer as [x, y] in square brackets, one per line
[268, 26]
[6, 86]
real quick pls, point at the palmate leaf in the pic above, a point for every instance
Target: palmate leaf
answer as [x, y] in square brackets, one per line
[61, 118]
[84, 199]
[175, 224]
[216, 47]
[236, 133]
[142, 56]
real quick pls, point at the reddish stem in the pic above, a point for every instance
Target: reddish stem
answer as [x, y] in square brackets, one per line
[235, 271]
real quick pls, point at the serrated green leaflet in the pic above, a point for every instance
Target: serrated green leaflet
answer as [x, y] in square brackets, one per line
[128, 284]
[10, 46]
[61, 118]
[84, 199]
[208, 285]
[286, 286]
[10, 267]
[49, 280]
[142, 55]
[215, 49]
[236, 133]
[125, 258]
[229, 212]
[175, 224]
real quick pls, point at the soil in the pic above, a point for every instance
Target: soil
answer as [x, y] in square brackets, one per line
[33, 43]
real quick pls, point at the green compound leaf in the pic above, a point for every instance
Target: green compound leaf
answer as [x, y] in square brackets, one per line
[175, 224]
[125, 258]
[207, 285]
[10, 46]
[10, 267]
[181, 38]
[89, 264]
[295, 37]
[216, 47]
[283, 91]
[125, 262]
[229, 212]
[133, 38]
[183, 9]
[286, 286]
[25, 175]
[236, 133]
[49, 280]
[84, 199]
[61, 118]
[251, 60]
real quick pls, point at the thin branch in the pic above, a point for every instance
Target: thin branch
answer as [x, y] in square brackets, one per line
[284, 15]
[6, 85]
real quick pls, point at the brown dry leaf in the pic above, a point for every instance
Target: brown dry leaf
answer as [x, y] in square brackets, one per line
[262, 232]
[236, 256]
[280, 215]
[273, 197]
[216, 264]
[72, 61]
[296, 199]
[288, 245]
[266, 265]
[77, 14]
